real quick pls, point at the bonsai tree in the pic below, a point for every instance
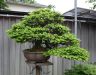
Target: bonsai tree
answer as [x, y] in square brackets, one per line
[45, 29]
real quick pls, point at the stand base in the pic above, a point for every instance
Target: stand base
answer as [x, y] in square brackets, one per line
[38, 65]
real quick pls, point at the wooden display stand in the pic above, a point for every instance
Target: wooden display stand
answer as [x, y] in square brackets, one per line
[38, 65]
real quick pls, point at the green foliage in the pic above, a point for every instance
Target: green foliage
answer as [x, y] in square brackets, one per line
[93, 2]
[57, 29]
[3, 5]
[44, 27]
[23, 33]
[90, 1]
[51, 6]
[87, 69]
[29, 1]
[42, 17]
[71, 52]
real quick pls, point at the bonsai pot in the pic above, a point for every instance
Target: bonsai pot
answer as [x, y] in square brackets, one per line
[35, 56]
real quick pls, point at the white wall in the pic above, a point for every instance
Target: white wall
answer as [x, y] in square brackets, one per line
[21, 7]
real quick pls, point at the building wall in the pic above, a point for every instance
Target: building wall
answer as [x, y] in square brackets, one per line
[12, 61]
[21, 7]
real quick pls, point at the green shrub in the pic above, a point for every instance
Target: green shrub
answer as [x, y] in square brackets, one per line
[44, 27]
[84, 69]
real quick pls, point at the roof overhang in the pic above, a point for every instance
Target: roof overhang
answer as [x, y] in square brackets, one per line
[82, 14]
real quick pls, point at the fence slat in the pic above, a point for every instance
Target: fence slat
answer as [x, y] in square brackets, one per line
[6, 47]
[12, 51]
[1, 47]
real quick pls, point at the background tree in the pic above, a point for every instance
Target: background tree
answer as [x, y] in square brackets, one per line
[30, 1]
[3, 5]
[51, 6]
[93, 2]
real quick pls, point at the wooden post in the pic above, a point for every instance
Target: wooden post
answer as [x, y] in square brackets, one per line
[38, 70]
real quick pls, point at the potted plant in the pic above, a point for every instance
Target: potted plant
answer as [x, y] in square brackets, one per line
[44, 28]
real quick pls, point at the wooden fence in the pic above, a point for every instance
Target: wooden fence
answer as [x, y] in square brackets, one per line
[12, 61]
